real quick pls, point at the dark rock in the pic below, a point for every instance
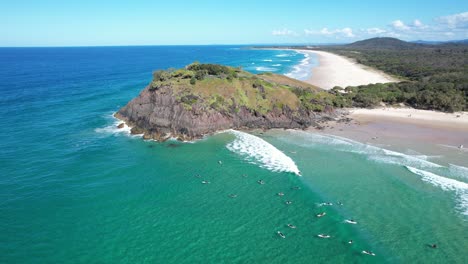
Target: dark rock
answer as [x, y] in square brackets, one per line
[121, 125]
[158, 115]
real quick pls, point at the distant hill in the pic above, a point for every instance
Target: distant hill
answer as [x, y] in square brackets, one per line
[428, 42]
[383, 43]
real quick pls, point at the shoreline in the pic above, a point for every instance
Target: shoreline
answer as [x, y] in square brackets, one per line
[442, 137]
[335, 70]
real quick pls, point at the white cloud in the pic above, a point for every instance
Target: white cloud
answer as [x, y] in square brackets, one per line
[348, 32]
[418, 24]
[325, 31]
[344, 32]
[375, 31]
[399, 25]
[455, 21]
[283, 32]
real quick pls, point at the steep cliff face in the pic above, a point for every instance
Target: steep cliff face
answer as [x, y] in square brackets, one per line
[160, 113]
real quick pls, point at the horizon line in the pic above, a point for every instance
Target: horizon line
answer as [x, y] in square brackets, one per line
[175, 45]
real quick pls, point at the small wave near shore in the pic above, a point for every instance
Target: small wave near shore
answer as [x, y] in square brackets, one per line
[257, 151]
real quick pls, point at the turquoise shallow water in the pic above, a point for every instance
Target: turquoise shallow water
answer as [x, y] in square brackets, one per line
[73, 190]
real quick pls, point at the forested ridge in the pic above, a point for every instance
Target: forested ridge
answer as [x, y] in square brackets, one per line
[433, 76]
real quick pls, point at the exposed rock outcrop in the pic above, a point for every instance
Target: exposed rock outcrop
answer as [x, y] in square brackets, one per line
[157, 114]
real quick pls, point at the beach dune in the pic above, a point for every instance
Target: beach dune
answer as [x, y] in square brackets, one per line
[334, 70]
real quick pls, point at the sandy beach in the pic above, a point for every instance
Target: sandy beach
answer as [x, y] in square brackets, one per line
[408, 130]
[434, 119]
[334, 70]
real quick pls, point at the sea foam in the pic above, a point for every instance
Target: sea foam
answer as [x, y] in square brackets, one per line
[265, 69]
[459, 171]
[302, 71]
[372, 153]
[113, 129]
[446, 184]
[258, 151]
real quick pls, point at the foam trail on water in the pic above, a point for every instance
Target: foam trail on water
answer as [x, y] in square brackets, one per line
[446, 184]
[262, 153]
[112, 129]
[347, 145]
[265, 69]
[458, 170]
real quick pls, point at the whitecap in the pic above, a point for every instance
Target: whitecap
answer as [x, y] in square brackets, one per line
[265, 69]
[446, 184]
[276, 65]
[113, 129]
[303, 70]
[283, 55]
[268, 60]
[259, 152]
[373, 153]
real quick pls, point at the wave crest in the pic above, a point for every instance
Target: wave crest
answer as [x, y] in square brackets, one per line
[446, 184]
[258, 151]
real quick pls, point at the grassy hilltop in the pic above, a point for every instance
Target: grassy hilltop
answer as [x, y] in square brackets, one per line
[228, 89]
[201, 99]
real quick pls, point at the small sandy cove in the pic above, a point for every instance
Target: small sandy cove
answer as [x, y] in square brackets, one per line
[334, 70]
[456, 121]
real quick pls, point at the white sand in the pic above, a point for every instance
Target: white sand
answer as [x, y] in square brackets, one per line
[334, 70]
[458, 121]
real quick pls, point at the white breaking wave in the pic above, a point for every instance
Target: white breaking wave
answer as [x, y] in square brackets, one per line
[459, 170]
[267, 69]
[276, 65]
[446, 184]
[112, 129]
[371, 152]
[303, 70]
[258, 151]
[268, 60]
[282, 55]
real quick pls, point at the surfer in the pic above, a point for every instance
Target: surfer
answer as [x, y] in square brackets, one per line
[280, 194]
[233, 195]
[321, 214]
[281, 234]
[368, 253]
[288, 202]
[261, 182]
[291, 226]
[350, 242]
[205, 182]
[433, 246]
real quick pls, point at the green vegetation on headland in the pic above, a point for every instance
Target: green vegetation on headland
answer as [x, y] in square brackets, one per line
[435, 77]
[204, 98]
[227, 89]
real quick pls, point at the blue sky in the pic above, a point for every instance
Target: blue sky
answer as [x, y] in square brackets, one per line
[90, 23]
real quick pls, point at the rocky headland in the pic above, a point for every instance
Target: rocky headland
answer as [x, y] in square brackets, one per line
[204, 98]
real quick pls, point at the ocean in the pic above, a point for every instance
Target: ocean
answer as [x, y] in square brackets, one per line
[74, 189]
